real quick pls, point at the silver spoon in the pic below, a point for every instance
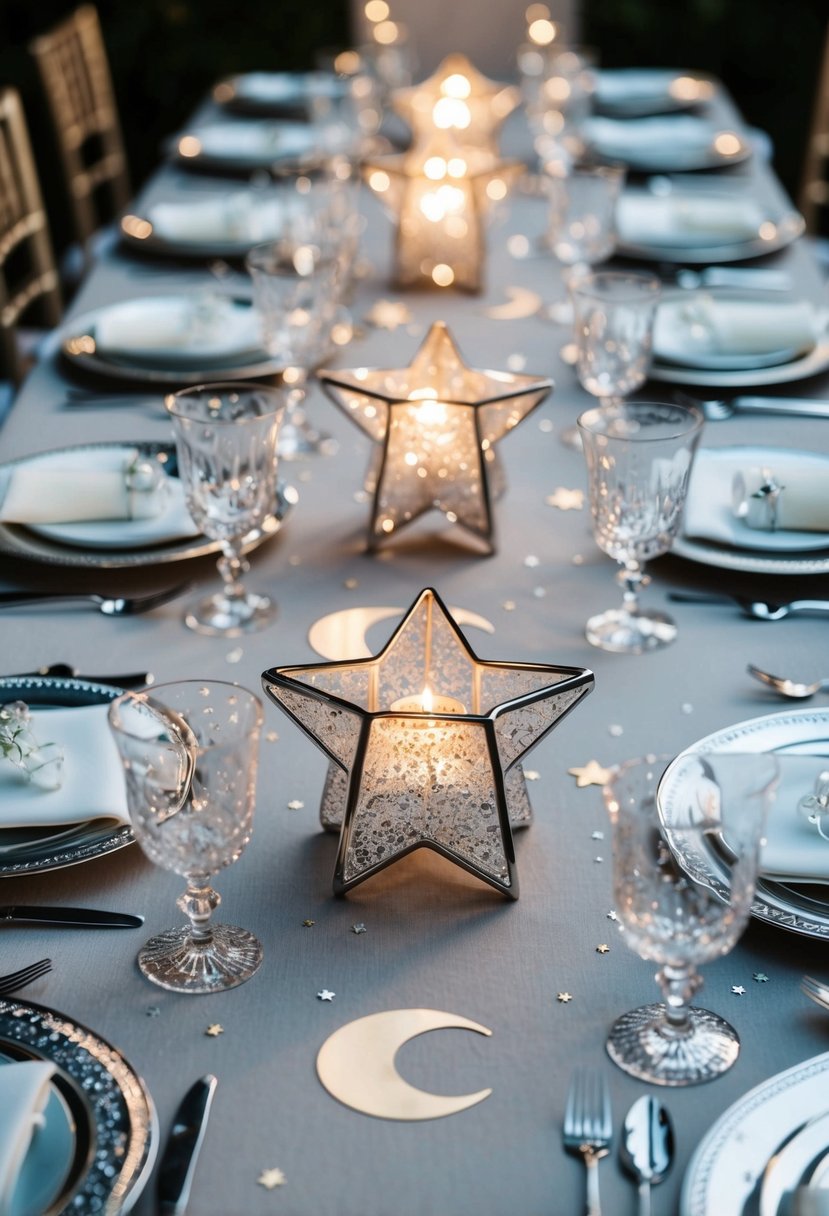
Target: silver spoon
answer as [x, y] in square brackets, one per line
[647, 1147]
[786, 687]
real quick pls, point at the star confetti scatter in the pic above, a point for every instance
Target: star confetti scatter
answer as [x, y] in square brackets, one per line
[738, 989]
[597, 835]
[308, 924]
[518, 245]
[577, 560]
[388, 314]
[603, 948]
[546, 426]
[295, 804]
[760, 977]
[687, 707]
[295, 560]
[531, 561]
[563, 998]
[214, 1030]
[153, 1011]
[539, 592]
[531, 774]
[508, 605]
[358, 928]
[566, 500]
[326, 995]
[598, 860]
[613, 914]
[615, 730]
[517, 363]
[591, 773]
[271, 1178]
[272, 736]
[233, 656]
[351, 584]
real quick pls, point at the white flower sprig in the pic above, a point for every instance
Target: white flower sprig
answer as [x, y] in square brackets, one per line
[39, 763]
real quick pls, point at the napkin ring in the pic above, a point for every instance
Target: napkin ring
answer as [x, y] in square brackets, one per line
[766, 514]
[815, 806]
[142, 479]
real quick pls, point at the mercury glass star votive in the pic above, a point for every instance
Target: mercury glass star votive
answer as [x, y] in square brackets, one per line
[428, 737]
[440, 195]
[459, 99]
[436, 424]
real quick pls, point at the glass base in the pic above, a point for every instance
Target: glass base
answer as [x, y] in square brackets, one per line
[174, 961]
[298, 438]
[637, 1045]
[630, 632]
[220, 616]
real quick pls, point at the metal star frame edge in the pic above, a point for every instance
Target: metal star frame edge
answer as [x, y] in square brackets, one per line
[286, 678]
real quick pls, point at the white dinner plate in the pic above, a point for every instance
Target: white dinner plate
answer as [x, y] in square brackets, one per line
[238, 355]
[684, 341]
[728, 1165]
[172, 524]
[708, 513]
[790, 1165]
[666, 145]
[226, 226]
[641, 92]
[668, 241]
[277, 92]
[798, 908]
[246, 145]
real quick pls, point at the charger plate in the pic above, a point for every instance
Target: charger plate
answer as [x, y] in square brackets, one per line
[727, 1172]
[801, 909]
[117, 1128]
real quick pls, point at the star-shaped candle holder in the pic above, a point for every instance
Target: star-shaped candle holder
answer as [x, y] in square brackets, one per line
[459, 99]
[440, 195]
[429, 738]
[435, 424]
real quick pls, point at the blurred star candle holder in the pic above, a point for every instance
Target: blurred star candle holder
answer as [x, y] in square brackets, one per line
[440, 198]
[428, 739]
[458, 99]
[436, 424]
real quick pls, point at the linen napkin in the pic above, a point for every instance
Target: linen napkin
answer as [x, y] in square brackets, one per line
[753, 327]
[138, 490]
[778, 496]
[679, 219]
[188, 328]
[709, 511]
[237, 217]
[93, 778]
[655, 139]
[794, 849]
[24, 1092]
[809, 1201]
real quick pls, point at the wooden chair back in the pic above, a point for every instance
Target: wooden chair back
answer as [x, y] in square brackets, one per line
[74, 69]
[27, 265]
[814, 189]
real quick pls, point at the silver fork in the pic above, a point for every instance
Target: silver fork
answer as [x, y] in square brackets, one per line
[26, 975]
[109, 605]
[817, 991]
[588, 1128]
[792, 407]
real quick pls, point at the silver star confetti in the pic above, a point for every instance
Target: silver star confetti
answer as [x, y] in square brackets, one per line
[272, 737]
[563, 998]
[531, 561]
[597, 835]
[388, 314]
[760, 977]
[603, 948]
[153, 1011]
[326, 995]
[233, 656]
[531, 775]
[308, 924]
[591, 773]
[613, 914]
[295, 804]
[738, 989]
[358, 928]
[271, 1178]
[566, 500]
[214, 1030]
[615, 730]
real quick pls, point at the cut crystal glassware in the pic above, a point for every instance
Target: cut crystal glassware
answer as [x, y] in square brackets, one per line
[639, 456]
[683, 886]
[189, 752]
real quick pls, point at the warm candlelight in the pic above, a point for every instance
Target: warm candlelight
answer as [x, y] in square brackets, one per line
[428, 703]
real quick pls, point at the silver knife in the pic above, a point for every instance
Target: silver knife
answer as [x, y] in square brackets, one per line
[78, 918]
[178, 1161]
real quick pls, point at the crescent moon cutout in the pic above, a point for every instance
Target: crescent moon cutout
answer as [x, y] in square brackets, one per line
[356, 1065]
[342, 635]
[521, 303]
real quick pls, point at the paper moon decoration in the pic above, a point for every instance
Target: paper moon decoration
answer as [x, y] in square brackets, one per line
[356, 1065]
[342, 635]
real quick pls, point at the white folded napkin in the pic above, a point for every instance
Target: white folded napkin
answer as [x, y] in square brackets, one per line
[654, 138]
[794, 849]
[809, 1201]
[93, 778]
[236, 217]
[685, 219]
[709, 512]
[206, 327]
[260, 141]
[24, 1092]
[138, 490]
[753, 327]
[779, 496]
[618, 86]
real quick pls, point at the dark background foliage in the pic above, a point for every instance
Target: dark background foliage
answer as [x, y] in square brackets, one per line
[165, 54]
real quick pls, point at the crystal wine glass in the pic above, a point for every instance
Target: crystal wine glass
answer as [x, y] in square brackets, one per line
[189, 752]
[686, 850]
[226, 440]
[639, 456]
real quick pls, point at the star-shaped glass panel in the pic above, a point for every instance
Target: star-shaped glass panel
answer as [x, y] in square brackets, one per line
[428, 736]
[457, 98]
[436, 424]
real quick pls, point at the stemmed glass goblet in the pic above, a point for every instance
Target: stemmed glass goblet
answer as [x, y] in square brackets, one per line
[686, 852]
[639, 456]
[189, 753]
[226, 440]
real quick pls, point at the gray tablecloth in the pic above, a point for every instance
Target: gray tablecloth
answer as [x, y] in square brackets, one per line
[434, 937]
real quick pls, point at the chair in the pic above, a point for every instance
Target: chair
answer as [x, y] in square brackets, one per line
[27, 266]
[73, 67]
[814, 189]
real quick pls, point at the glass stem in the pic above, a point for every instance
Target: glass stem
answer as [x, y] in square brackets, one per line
[631, 578]
[678, 986]
[198, 904]
[232, 565]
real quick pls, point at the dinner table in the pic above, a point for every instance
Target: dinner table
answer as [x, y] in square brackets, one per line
[547, 973]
